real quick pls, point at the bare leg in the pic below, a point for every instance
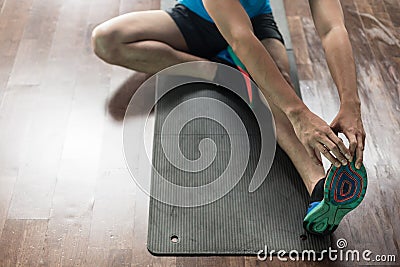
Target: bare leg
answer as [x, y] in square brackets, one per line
[146, 41]
[286, 136]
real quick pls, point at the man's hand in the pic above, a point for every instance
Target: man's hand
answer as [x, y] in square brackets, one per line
[348, 121]
[329, 22]
[316, 135]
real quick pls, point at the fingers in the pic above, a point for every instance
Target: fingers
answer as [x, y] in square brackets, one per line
[324, 151]
[318, 154]
[339, 143]
[312, 155]
[333, 143]
[335, 127]
[360, 151]
[352, 144]
[336, 151]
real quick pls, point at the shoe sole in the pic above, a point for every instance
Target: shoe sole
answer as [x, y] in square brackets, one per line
[338, 200]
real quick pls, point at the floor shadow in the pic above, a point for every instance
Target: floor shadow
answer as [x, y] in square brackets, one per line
[119, 101]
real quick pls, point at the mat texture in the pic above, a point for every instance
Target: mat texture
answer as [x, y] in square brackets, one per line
[240, 223]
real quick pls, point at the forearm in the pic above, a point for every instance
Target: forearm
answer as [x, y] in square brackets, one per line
[266, 74]
[235, 25]
[340, 60]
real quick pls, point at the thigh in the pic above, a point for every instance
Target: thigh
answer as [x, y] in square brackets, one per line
[154, 25]
[202, 36]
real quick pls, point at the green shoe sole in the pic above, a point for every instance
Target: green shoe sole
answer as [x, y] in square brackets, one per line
[344, 190]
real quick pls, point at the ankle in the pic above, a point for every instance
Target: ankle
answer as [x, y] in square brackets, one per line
[318, 191]
[312, 183]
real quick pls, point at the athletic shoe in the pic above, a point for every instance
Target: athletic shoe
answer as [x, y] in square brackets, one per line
[343, 190]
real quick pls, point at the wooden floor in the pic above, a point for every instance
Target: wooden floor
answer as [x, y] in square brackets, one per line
[66, 196]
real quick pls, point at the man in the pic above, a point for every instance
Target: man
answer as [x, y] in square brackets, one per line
[195, 30]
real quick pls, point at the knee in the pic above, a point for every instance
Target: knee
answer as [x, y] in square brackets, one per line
[285, 71]
[287, 77]
[105, 44]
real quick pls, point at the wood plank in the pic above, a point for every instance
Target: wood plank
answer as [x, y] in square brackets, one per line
[22, 243]
[11, 31]
[73, 201]
[119, 257]
[384, 43]
[322, 78]
[36, 42]
[393, 9]
[297, 8]
[110, 238]
[127, 6]
[381, 238]
[38, 176]
[113, 214]
[7, 182]
[210, 261]
[114, 191]
[389, 188]
[372, 86]
[15, 121]
[300, 49]
[96, 257]
[377, 6]
[31, 252]
[254, 262]
[10, 242]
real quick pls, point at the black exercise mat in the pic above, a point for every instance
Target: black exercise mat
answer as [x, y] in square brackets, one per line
[240, 223]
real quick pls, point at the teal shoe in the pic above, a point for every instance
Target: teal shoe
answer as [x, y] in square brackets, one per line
[344, 189]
